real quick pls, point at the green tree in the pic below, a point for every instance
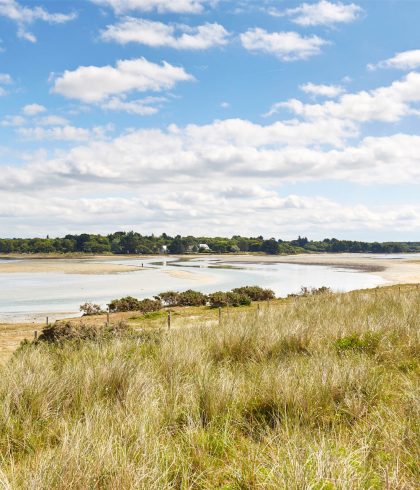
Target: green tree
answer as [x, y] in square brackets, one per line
[270, 247]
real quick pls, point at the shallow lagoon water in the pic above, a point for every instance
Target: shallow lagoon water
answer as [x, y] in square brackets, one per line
[27, 296]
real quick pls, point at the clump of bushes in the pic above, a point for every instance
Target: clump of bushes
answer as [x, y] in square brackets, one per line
[220, 299]
[149, 305]
[59, 332]
[169, 298]
[192, 298]
[187, 298]
[240, 296]
[237, 297]
[89, 309]
[255, 293]
[132, 304]
[124, 304]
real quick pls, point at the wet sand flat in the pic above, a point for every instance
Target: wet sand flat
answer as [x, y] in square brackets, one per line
[194, 276]
[393, 270]
[66, 266]
[401, 270]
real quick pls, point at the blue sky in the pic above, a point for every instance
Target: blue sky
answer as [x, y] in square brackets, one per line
[210, 117]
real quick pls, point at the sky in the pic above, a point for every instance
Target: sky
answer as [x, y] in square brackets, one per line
[210, 117]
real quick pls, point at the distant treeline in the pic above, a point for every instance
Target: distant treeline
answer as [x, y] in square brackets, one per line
[135, 243]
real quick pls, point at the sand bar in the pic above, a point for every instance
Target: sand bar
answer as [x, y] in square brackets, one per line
[394, 270]
[66, 266]
[192, 276]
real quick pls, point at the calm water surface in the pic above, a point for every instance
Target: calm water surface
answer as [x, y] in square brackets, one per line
[27, 296]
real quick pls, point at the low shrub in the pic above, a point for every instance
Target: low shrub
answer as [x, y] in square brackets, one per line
[169, 298]
[60, 332]
[255, 293]
[186, 298]
[222, 299]
[238, 299]
[219, 299]
[149, 305]
[89, 309]
[124, 304]
[192, 298]
[132, 304]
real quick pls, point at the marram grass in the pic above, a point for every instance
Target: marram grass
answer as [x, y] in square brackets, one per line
[318, 393]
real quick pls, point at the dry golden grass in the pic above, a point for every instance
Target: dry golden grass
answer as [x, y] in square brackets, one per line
[315, 393]
[11, 335]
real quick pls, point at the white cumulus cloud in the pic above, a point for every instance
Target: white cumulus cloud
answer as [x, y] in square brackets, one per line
[175, 6]
[52, 120]
[324, 13]
[388, 104]
[142, 107]
[287, 46]
[158, 34]
[330, 91]
[96, 83]
[406, 60]
[24, 16]
[33, 109]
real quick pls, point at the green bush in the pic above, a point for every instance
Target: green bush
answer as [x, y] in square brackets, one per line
[132, 304]
[238, 299]
[169, 298]
[192, 298]
[149, 305]
[221, 299]
[60, 332]
[124, 304]
[89, 309]
[255, 293]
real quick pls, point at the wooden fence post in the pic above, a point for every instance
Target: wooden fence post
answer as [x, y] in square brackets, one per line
[169, 320]
[220, 316]
[36, 335]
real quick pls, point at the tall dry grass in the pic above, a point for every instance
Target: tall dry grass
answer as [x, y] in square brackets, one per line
[319, 393]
